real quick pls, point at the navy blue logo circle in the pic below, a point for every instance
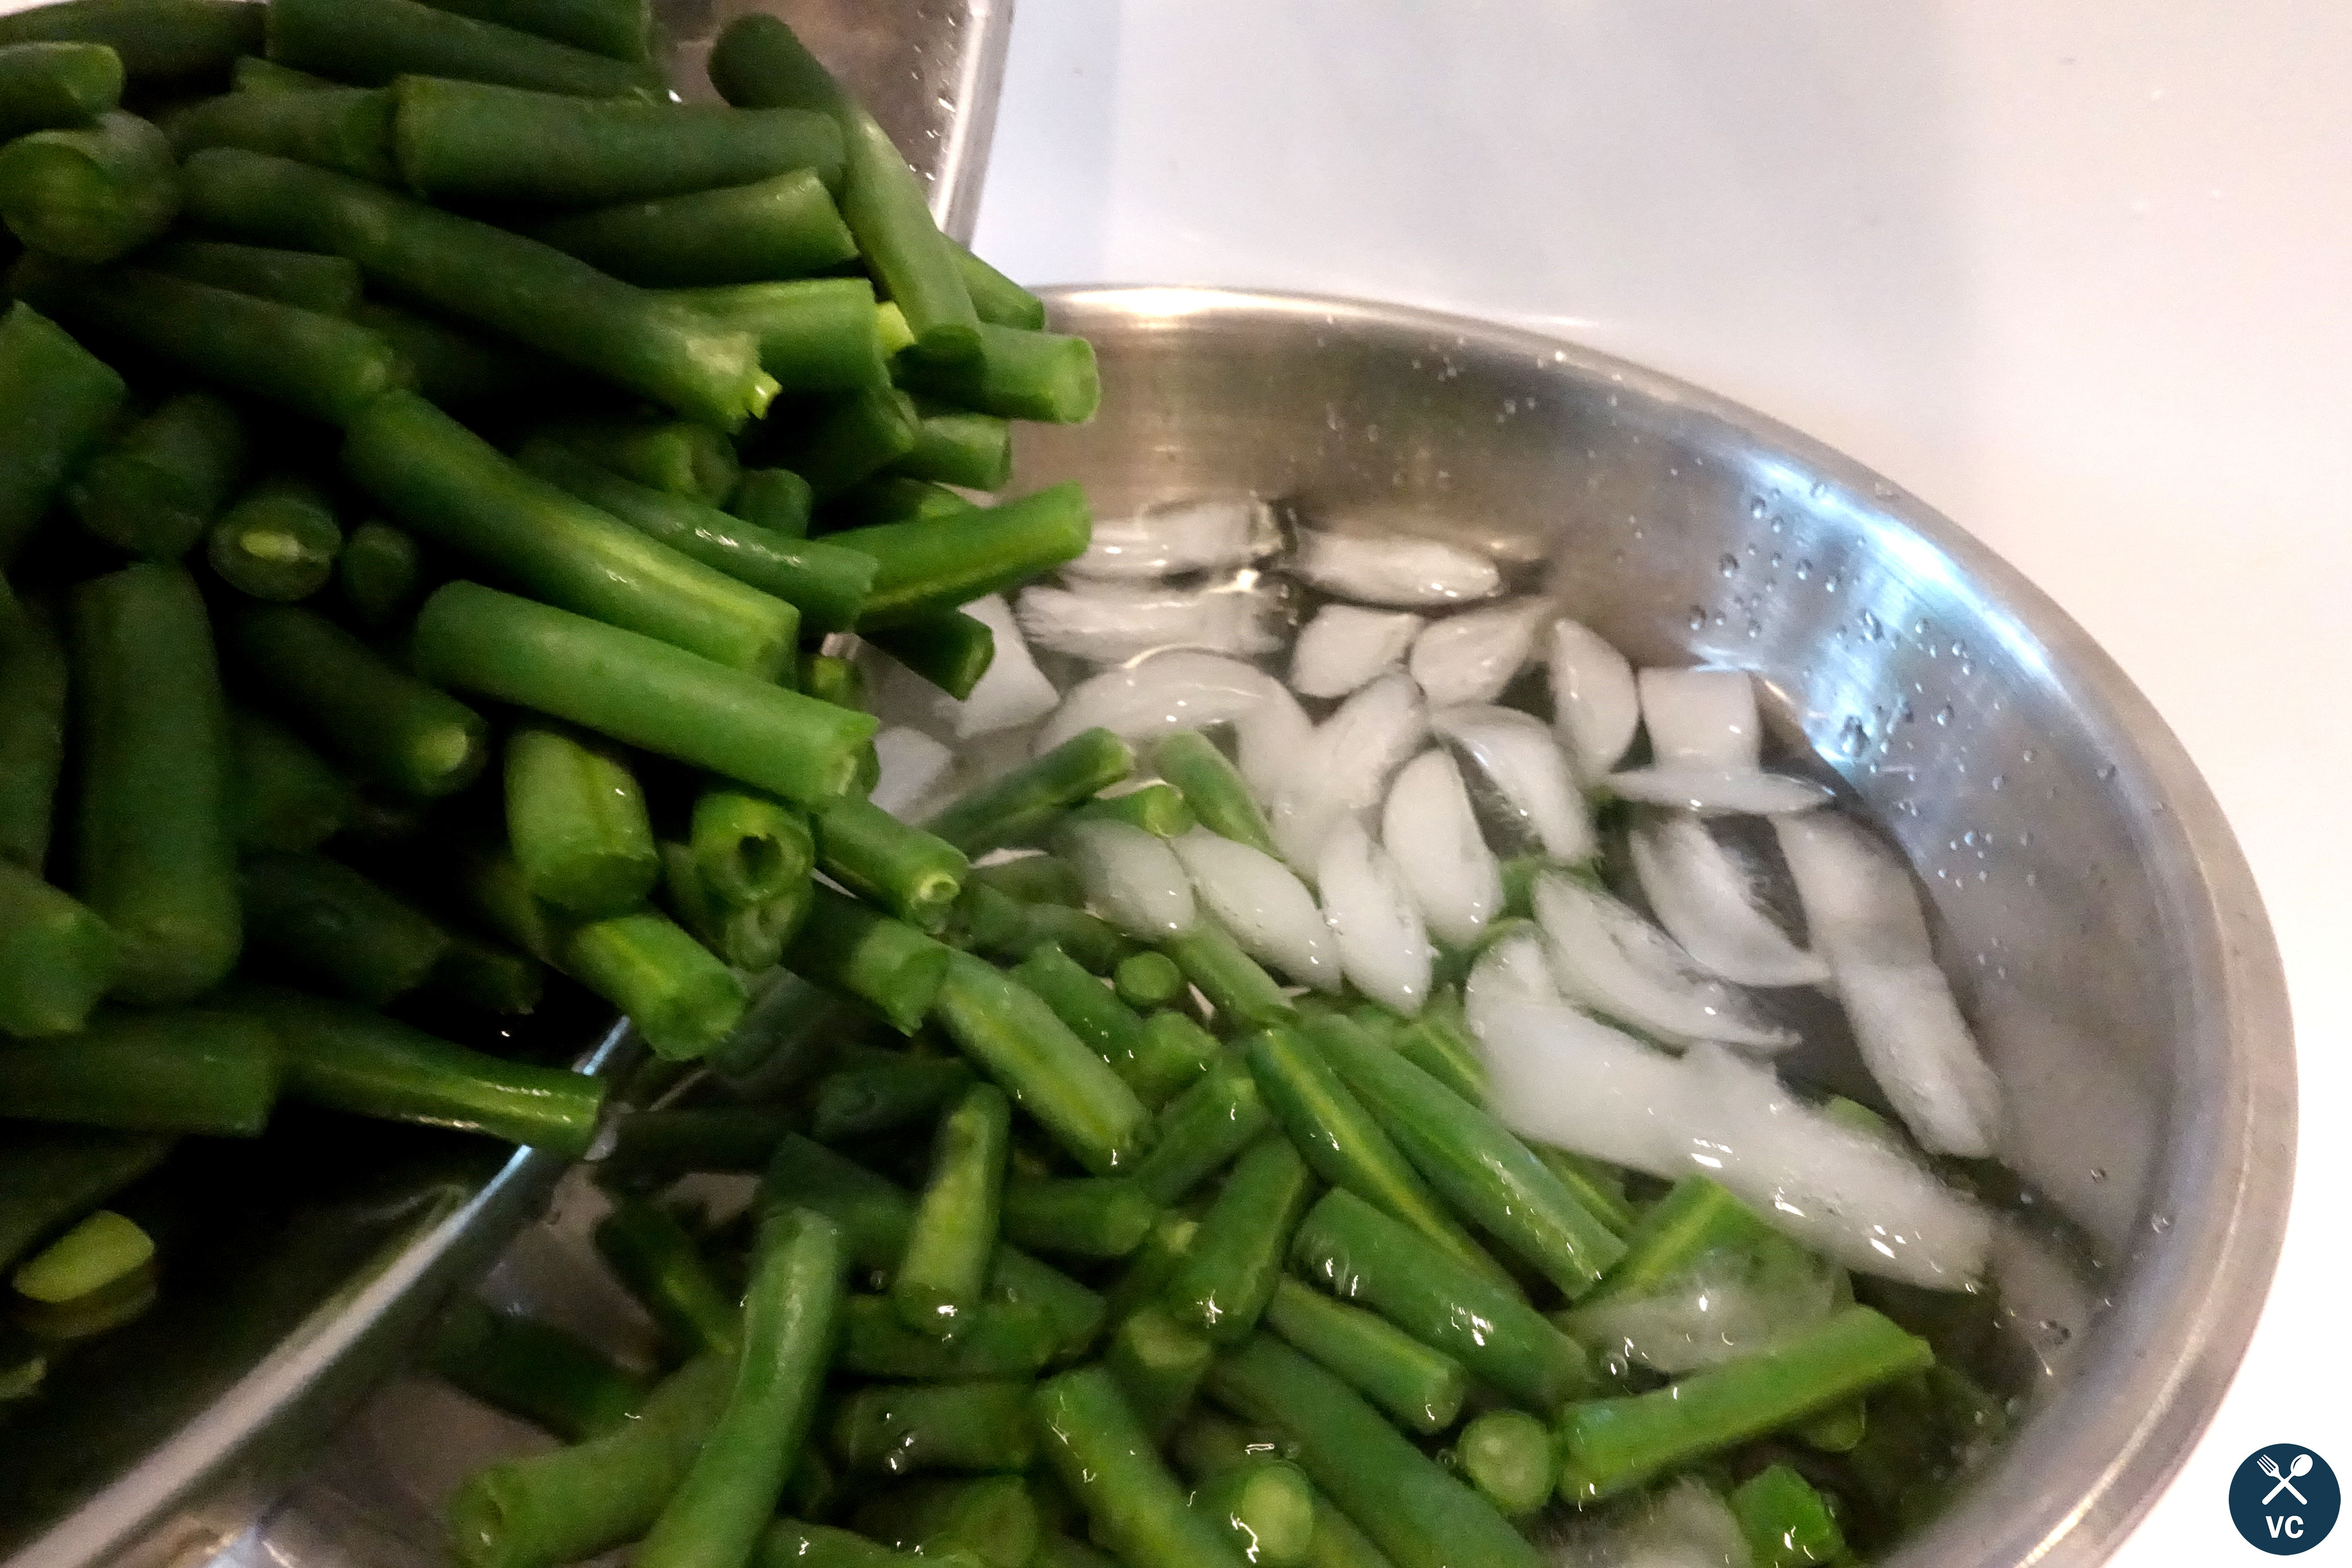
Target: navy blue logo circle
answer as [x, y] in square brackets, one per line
[2284, 1498]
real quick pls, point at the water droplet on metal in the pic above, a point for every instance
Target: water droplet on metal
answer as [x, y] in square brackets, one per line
[1944, 714]
[1729, 565]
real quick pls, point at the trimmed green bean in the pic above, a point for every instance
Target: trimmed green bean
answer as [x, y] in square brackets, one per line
[1267, 1506]
[32, 735]
[676, 455]
[1229, 1276]
[843, 439]
[992, 1521]
[1589, 1183]
[1506, 1455]
[652, 1255]
[914, 875]
[826, 584]
[576, 817]
[89, 195]
[836, 681]
[1083, 1216]
[815, 334]
[956, 446]
[378, 570]
[952, 650]
[1145, 1279]
[452, 368]
[1016, 375]
[995, 297]
[51, 1176]
[544, 1509]
[1696, 1217]
[621, 29]
[1008, 929]
[348, 1058]
[890, 966]
[1159, 1361]
[1786, 1521]
[1047, 1070]
[285, 797]
[790, 1543]
[56, 402]
[58, 958]
[535, 292]
[1018, 804]
[1609, 1444]
[749, 848]
[922, 568]
[777, 499]
[1361, 1254]
[252, 73]
[371, 42]
[487, 977]
[277, 543]
[1212, 787]
[1420, 1516]
[1236, 985]
[534, 1370]
[784, 226]
[758, 61]
[953, 1233]
[338, 928]
[651, 1147]
[48, 85]
[392, 727]
[1171, 1056]
[1105, 1457]
[169, 39]
[328, 284]
[891, 498]
[155, 488]
[139, 1071]
[1437, 1044]
[345, 128]
[1033, 878]
[1201, 1129]
[1157, 808]
[681, 998]
[155, 859]
[1478, 1165]
[1420, 1388]
[730, 1494]
[874, 1092]
[103, 1252]
[999, 1340]
[470, 139]
[899, 1429]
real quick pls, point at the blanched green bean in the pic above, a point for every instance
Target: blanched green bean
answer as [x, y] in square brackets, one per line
[1047, 1070]
[1016, 375]
[576, 817]
[176, 1069]
[49, 1175]
[748, 847]
[1227, 1279]
[1171, 1056]
[55, 85]
[285, 797]
[922, 568]
[1083, 1217]
[952, 650]
[89, 195]
[278, 542]
[1212, 787]
[990, 1521]
[873, 1092]
[1105, 1457]
[1201, 1129]
[534, 1370]
[957, 446]
[815, 334]
[1506, 1455]
[1786, 1521]
[32, 735]
[681, 998]
[346, 129]
[1420, 1388]
[857, 951]
[57, 400]
[391, 726]
[777, 499]
[371, 42]
[327, 284]
[676, 456]
[1019, 803]
[621, 29]
[952, 1235]
[1236, 985]
[1268, 1507]
[1159, 1361]
[784, 226]
[836, 441]
[56, 957]
[999, 1340]
[995, 297]
[338, 928]
[904, 1428]
[651, 1254]
[1156, 808]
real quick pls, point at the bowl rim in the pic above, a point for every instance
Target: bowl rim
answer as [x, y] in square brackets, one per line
[2086, 1466]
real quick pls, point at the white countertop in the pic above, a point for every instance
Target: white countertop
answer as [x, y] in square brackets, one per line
[2080, 276]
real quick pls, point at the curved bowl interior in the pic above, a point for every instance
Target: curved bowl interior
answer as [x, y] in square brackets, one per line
[2101, 927]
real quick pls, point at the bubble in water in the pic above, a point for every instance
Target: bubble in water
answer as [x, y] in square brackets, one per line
[1729, 565]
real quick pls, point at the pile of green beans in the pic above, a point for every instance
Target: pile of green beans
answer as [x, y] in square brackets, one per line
[347, 715]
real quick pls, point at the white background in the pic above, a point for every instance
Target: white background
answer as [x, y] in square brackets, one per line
[2079, 275]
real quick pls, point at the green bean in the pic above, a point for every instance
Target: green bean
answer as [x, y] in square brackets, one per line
[952, 650]
[1419, 1387]
[285, 797]
[944, 1268]
[347, 1058]
[843, 439]
[1008, 929]
[995, 297]
[874, 1092]
[57, 401]
[923, 569]
[1420, 1516]
[371, 42]
[748, 846]
[1506, 1456]
[337, 928]
[1361, 1254]
[815, 334]
[1086, 1004]
[621, 29]
[378, 570]
[487, 977]
[1037, 879]
[171, 39]
[472, 140]
[1697, 1216]
[32, 735]
[956, 446]
[1047, 1070]
[777, 499]
[492, 886]
[1212, 787]
[392, 727]
[905, 1428]
[676, 455]
[56, 958]
[758, 61]
[1786, 1521]
[345, 128]
[992, 1521]
[1156, 808]
[887, 964]
[90, 1267]
[1158, 1362]
[1590, 1182]
[252, 73]
[782, 226]
[1236, 985]
[790, 1543]
[323, 366]
[452, 368]
[1345, 1143]
[826, 583]
[1201, 1129]
[91, 194]
[577, 819]
[652, 1255]
[1229, 1277]
[328, 284]
[891, 498]
[51, 1176]
[1018, 804]
[683, 1000]
[1267, 1506]
[1146, 1275]
[1609, 1444]
[836, 681]
[789, 1310]
[1171, 1056]
[534, 1370]
[166, 1071]
[1084, 1217]
[55, 85]
[1105, 1456]
[537, 294]
[999, 1340]
[155, 857]
[650, 1147]
[1479, 1166]
[544, 1509]
[277, 543]
[1016, 375]
[1438, 1045]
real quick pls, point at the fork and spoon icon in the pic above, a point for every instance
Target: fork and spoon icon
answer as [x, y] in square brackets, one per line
[2294, 1472]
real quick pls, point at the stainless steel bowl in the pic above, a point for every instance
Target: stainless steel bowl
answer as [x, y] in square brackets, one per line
[2102, 928]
